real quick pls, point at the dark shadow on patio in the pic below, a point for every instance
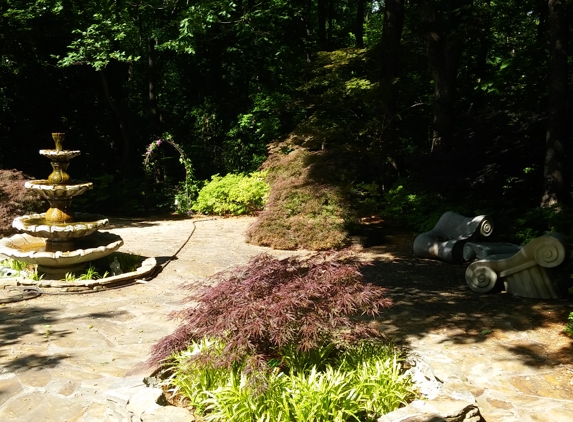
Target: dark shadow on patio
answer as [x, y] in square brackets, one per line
[25, 320]
[26, 331]
[431, 297]
[124, 222]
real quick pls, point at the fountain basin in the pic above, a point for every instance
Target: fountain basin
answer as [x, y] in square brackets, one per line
[37, 225]
[147, 268]
[51, 191]
[59, 155]
[32, 249]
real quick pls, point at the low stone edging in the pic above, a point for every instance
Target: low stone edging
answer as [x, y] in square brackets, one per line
[445, 401]
[146, 268]
[132, 400]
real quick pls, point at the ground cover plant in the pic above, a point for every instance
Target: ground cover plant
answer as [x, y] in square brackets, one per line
[569, 324]
[289, 329]
[11, 267]
[101, 268]
[91, 273]
[20, 268]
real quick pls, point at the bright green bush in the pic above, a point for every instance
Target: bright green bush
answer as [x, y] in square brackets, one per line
[234, 194]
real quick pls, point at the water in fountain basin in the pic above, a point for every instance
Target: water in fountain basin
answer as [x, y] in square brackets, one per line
[43, 221]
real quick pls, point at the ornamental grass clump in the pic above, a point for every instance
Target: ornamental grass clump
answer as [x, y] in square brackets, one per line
[285, 339]
[360, 383]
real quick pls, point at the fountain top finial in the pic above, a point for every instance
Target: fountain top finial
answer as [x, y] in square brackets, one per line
[58, 138]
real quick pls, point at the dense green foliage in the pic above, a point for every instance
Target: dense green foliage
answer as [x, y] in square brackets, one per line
[412, 108]
[569, 326]
[226, 79]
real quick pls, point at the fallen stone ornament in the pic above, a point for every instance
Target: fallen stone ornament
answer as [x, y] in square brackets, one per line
[447, 239]
[525, 273]
[473, 250]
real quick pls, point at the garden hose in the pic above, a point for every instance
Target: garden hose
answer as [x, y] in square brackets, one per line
[31, 292]
[24, 293]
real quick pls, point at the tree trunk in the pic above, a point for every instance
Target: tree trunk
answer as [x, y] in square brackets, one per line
[359, 30]
[485, 44]
[322, 15]
[330, 24]
[390, 63]
[125, 164]
[155, 117]
[557, 132]
[304, 30]
[444, 44]
[542, 8]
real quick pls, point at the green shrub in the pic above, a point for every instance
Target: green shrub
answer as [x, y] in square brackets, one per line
[234, 194]
[569, 326]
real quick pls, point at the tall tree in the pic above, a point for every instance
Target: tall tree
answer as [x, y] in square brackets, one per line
[442, 27]
[156, 119]
[359, 28]
[322, 6]
[556, 136]
[390, 61]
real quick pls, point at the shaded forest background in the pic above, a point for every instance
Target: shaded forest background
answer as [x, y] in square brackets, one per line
[406, 108]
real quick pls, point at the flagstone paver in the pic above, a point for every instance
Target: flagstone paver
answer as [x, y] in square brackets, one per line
[63, 356]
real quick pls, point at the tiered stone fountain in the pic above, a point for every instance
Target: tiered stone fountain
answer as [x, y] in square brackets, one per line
[59, 241]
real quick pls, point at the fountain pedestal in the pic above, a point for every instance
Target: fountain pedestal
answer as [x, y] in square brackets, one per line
[59, 241]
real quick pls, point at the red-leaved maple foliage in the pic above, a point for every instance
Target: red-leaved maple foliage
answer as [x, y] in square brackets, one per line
[15, 200]
[271, 303]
